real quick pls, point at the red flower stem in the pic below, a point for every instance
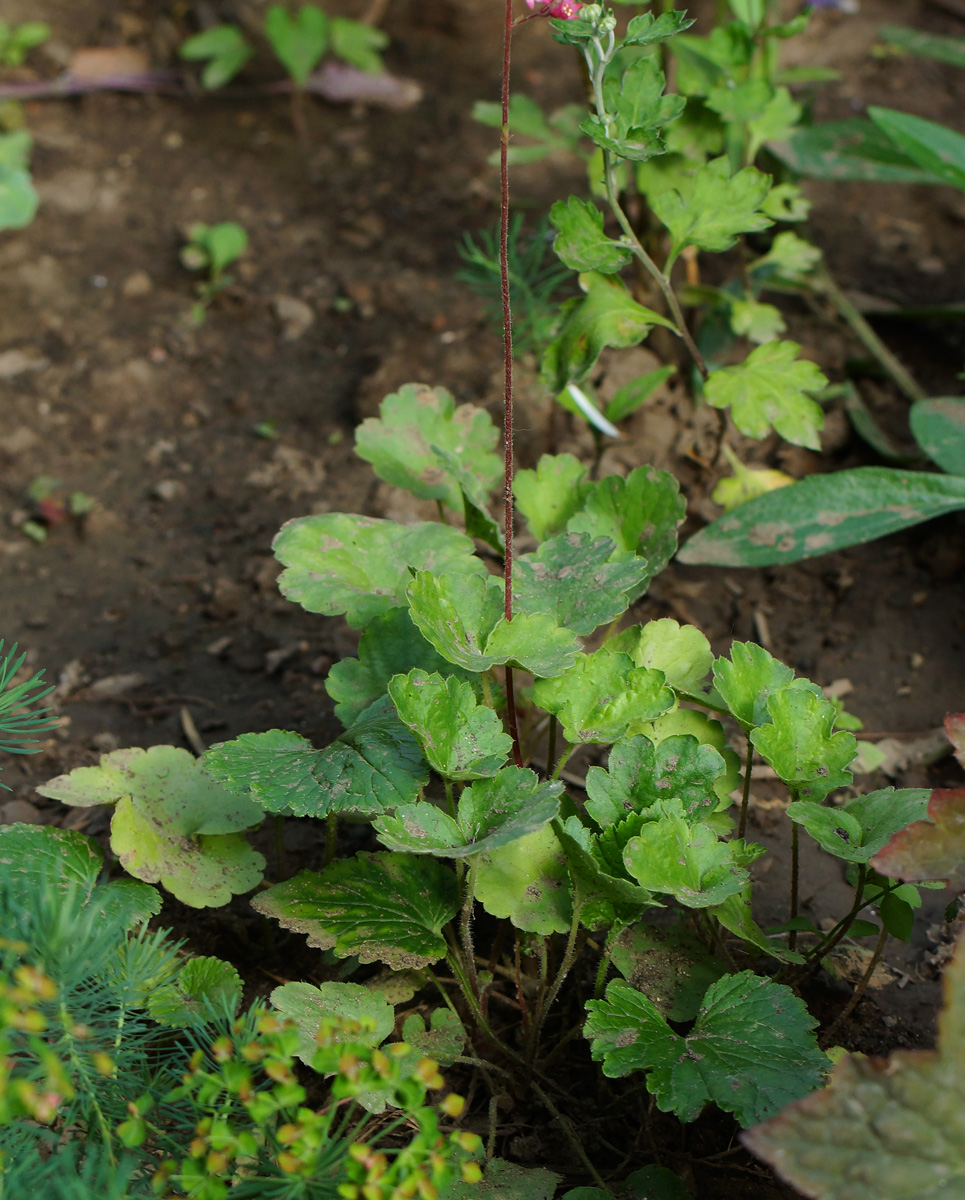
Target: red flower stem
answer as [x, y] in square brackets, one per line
[508, 507]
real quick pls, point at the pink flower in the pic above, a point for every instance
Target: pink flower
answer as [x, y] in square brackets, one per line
[563, 10]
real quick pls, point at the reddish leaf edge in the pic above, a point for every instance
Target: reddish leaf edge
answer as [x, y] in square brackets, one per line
[770, 1141]
[907, 855]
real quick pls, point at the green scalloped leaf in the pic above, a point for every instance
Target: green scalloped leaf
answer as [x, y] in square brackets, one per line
[930, 849]
[443, 1040]
[686, 861]
[390, 645]
[382, 907]
[45, 856]
[200, 982]
[462, 616]
[607, 315]
[360, 566]
[800, 743]
[769, 389]
[602, 893]
[173, 823]
[707, 731]
[858, 830]
[308, 1006]
[491, 813]
[550, 495]
[400, 444]
[640, 513]
[374, 765]
[203, 871]
[460, 738]
[602, 695]
[823, 513]
[883, 1128]
[640, 774]
[581, 242]
[751, 1050]
[718, 208]
[571, 579]
[527, 881]
[746, 681]
[669, 964]
[163, 776]
[681, 652]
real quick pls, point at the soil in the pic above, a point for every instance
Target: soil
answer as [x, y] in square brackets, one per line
[157, 613]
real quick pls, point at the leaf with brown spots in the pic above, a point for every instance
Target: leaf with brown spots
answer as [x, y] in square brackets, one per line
[824, 513]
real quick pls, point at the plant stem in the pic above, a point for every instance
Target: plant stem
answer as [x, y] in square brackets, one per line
[859, 991]
[551, 745]
[795, 870]
[569, 957]
[596, 68]
[570, 1136]
[508, 508]
[465, 923]
[842, 927]
[825, 285]
[564, 757]
[746, 795]
[450, 801]
[599, 985]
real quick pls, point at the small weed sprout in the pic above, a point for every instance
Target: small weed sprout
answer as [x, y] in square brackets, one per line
[212, 248]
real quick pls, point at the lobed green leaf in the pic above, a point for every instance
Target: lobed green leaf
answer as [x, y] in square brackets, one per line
[602, 695]
[768, 389]
[751, 1050]
[416, 422]
[361, 566]
[382, 907]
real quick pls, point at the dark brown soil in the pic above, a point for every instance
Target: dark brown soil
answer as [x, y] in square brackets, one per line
[170, 579]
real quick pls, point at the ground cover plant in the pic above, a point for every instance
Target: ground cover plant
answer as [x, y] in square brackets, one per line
[552, 796]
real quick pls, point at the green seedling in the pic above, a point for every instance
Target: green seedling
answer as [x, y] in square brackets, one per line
[299, 43]
[18, 197]
[16, 41]
[224, 50]
[212, 248]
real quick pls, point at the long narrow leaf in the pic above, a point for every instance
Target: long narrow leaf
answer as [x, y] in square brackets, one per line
[824, 513]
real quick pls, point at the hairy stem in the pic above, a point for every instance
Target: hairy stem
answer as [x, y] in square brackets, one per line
[570, 1135]
[569, 957]
[746, 794]
[508, 508]
[465, 923]
[795, 873]
[551, 746]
